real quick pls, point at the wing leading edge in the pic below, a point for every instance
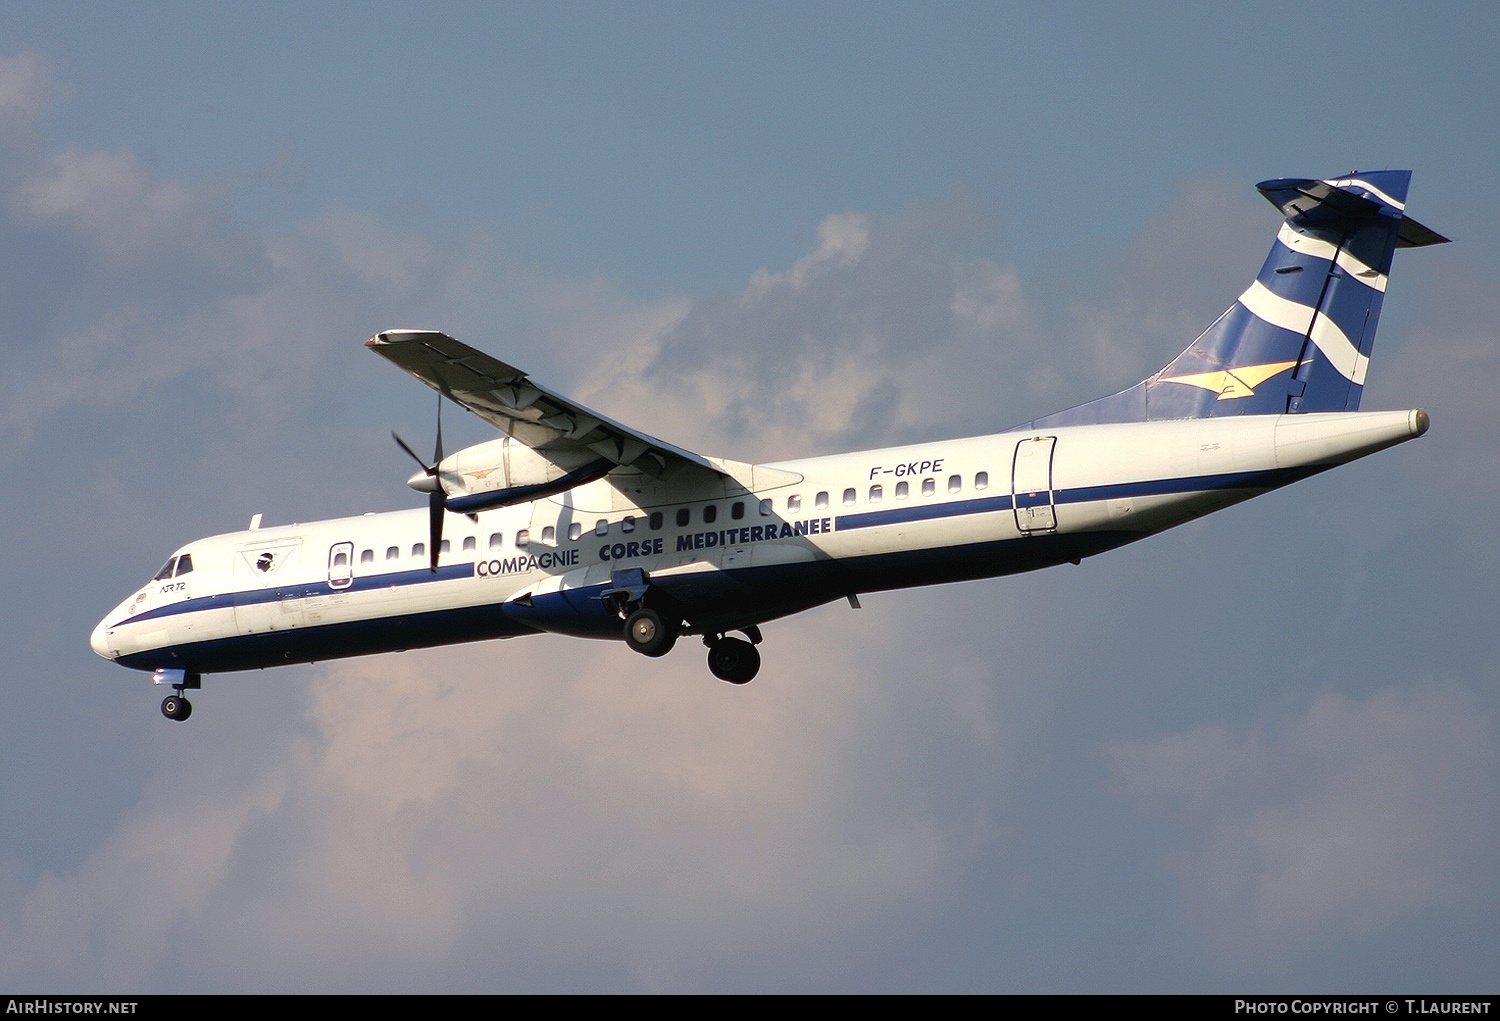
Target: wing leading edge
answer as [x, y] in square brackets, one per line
[508, 399]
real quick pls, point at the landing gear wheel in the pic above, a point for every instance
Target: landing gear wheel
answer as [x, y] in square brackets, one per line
[175, 707]
[647, 633]
[733, 660]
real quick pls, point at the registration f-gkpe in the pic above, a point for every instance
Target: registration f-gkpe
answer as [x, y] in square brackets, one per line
[575, 524]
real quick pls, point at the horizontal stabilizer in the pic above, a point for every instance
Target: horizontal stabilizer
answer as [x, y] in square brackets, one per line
[1416, 235]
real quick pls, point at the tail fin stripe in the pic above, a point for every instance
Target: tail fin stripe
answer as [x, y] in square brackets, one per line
[1300, 319]
[1344, 182]
[1305, 244]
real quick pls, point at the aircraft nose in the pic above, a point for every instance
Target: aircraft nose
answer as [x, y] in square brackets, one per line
[99, 640]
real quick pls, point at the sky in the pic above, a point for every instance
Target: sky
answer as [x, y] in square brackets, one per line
[1258, 753]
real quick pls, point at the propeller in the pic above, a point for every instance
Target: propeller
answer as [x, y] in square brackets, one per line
[437, 500]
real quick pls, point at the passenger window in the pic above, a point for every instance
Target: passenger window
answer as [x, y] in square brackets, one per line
[875, 494]
[468, 544]
[523, 537]
[627, 524]
[393, 553]
[737, 510]
[497, 539]
[184, 565]
[166, 571]
[419, 550]
[601, 527]
[982, 480]
[901, 490]
[367, 556]
[848, 498]
[710, 514]
[574, 531]
[765, 508]
[929, 486]
[821, 500]
[955, 483]
[683, 517]
[549, 535]
[656, 521]
[444, 548]
[794, 505]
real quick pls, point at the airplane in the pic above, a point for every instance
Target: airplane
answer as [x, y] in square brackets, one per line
[572, 523]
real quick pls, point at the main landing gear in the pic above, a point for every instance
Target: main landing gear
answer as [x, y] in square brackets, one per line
[648, 633]
[732, 659]
[729, 659]
[652, 629]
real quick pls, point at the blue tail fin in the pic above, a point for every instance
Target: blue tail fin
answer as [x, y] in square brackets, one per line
[1299, 338]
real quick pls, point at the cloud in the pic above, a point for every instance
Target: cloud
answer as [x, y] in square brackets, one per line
[627, 820]
[109, 197]
[24, 87]
[842, 240]
[1355, 814]
[886, 332]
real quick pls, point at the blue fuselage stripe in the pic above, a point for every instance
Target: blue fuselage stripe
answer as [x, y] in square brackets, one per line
[1083, 494]
[921, 512]
[361, 583]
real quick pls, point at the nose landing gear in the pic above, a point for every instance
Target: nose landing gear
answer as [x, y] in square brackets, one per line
[175, 707]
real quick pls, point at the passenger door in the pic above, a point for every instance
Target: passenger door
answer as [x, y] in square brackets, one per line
[341, 565]
[1031, 484]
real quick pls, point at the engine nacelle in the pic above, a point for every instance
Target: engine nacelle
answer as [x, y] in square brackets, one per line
[501, 472]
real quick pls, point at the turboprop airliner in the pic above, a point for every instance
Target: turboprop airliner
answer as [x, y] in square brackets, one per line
[571, 523]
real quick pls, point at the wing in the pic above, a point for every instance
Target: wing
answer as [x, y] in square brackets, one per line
[505, 397]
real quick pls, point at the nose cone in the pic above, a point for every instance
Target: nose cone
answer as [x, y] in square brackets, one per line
[99, 640]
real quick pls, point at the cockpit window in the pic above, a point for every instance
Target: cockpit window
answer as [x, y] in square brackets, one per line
[184, 565]
[166, 571]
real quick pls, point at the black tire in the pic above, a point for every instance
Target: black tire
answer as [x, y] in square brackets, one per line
[175, 707]
[647, 633]
[733, 660]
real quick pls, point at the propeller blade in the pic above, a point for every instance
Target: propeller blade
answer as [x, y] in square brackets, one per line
[437, 502]
[432, 470]
[435, 525]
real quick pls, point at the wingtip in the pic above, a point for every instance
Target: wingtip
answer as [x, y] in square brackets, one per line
[393, 336]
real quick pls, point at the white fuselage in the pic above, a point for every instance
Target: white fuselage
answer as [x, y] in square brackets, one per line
[777, 539]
